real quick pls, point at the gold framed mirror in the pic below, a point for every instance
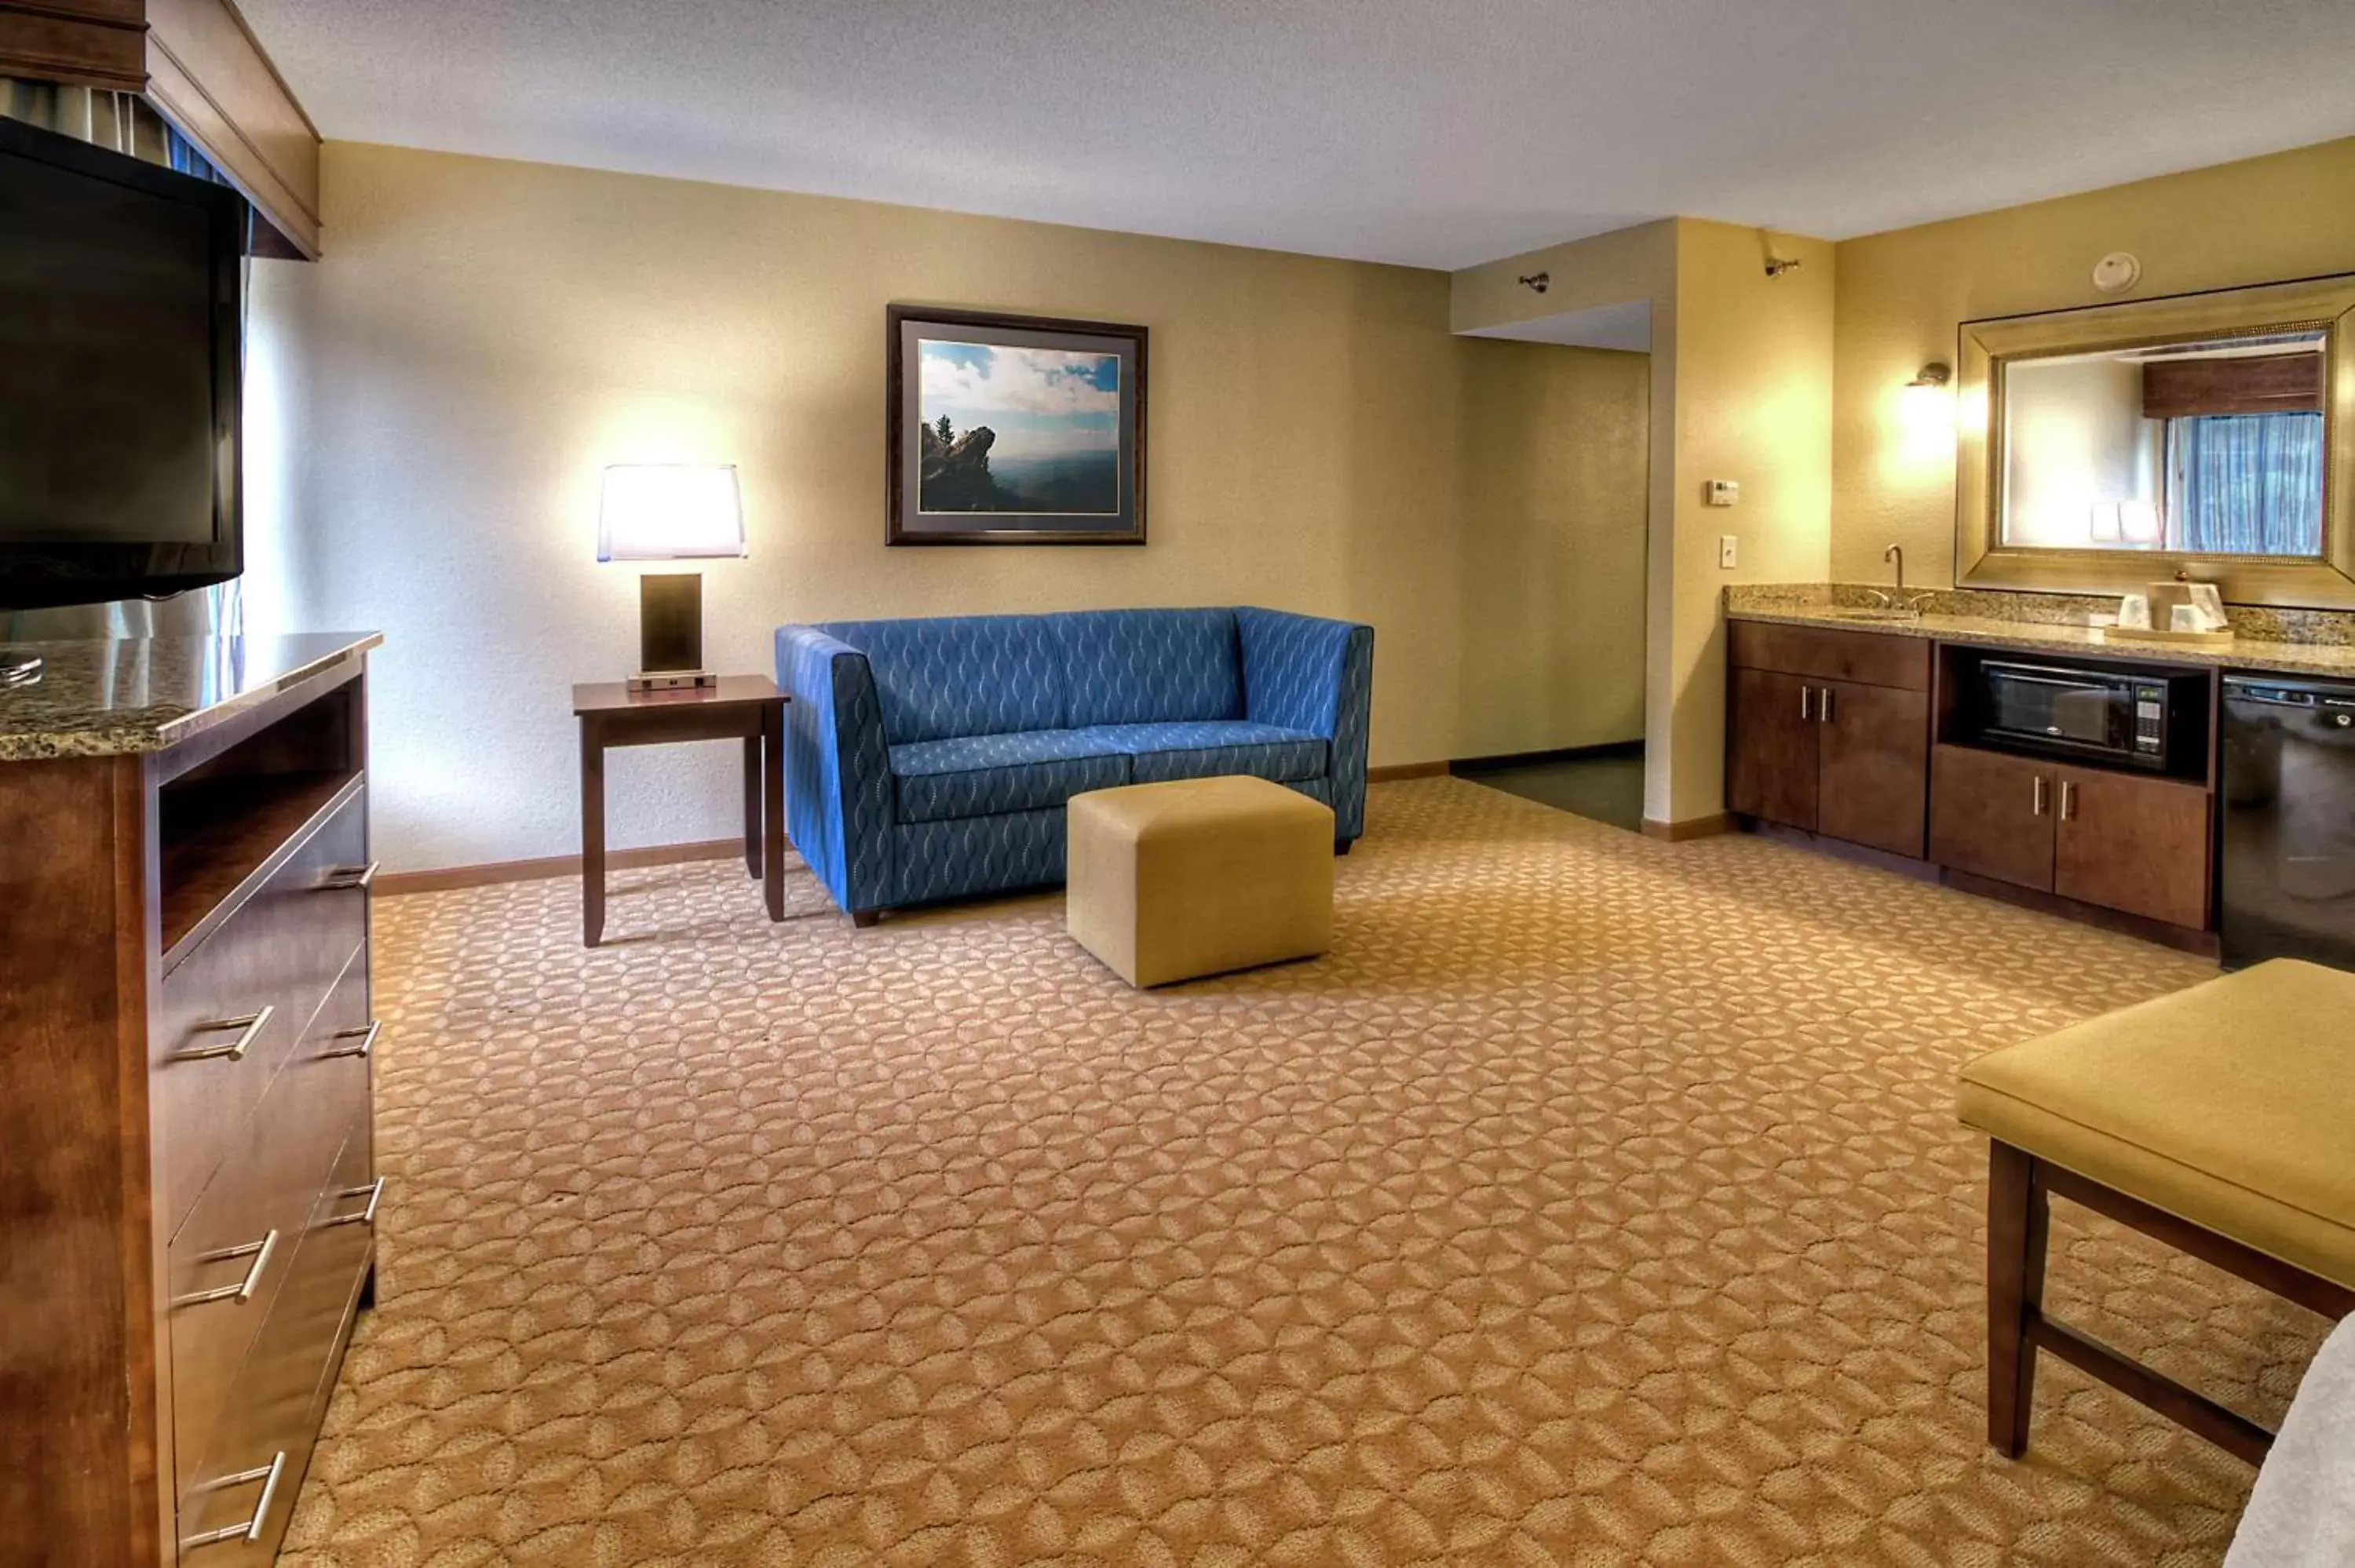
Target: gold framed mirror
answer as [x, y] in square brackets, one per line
[2102, 449]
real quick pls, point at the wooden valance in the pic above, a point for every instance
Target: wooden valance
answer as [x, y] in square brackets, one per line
[203, 70]
[2256, 383]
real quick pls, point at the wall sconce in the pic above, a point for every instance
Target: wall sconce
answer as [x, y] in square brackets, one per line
[1925, 416]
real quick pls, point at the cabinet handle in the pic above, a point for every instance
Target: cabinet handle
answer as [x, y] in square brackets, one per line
[2068, 801]
[367, 1038]
[249, 1028]
[250, 1530]
[373, 1191]
[345, 879]
[1806, 697]
[243, 1291]
[1824, 705]
[2040, 794]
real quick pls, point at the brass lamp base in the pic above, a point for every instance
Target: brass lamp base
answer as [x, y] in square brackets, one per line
[670, 633]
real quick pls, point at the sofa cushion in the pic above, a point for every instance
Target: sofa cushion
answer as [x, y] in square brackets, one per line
[1206, 748]
[962, 675]
[984, 775]
[1138, 666]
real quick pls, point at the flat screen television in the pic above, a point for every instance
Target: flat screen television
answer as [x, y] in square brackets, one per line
[120, 343]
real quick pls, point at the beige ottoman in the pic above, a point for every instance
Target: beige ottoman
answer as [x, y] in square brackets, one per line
[1197, 877]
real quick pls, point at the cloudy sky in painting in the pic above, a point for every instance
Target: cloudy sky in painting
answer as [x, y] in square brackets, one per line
[1040, 401]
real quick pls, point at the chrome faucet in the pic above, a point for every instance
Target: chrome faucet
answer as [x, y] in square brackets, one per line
[1897, 553]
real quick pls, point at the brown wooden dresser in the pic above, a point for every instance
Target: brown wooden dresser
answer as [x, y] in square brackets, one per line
[187, 1178]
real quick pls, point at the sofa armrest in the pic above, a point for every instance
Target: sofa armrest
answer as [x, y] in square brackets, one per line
[1303, 672]
[837, 773]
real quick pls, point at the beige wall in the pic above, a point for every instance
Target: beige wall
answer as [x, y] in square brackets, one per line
[1754, 404]
[485, 335]
[1741, 389]
[1903, 294]
[1555, 490]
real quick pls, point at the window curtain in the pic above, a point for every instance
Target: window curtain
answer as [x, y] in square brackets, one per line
[2250, 484]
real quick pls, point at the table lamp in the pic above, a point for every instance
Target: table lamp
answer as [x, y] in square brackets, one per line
[670, 512]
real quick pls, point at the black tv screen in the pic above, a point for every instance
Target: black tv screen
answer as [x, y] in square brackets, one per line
[120, 337]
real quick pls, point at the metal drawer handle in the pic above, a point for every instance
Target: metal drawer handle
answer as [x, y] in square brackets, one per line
[345, 879]
[367, 1038]
[1824, 705]
[248, 1027]
[1806, 697]
[2040, 794]
[242, 1291]
[373, 1191]
[250, 1530]
[2068, 801]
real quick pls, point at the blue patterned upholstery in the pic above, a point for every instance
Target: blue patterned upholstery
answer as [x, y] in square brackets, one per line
[1206, 748]
[931, 759]
[973, 674]
[981, 775]
[1142, 666]
[837, 780]
[1300, 672]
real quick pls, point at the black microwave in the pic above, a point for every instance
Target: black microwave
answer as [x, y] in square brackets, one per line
[2125, 718]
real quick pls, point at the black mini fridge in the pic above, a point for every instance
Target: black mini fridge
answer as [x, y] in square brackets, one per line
[2287, 878]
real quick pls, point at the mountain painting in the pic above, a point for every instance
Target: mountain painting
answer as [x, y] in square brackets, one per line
[1012, 430]
[1032, 430]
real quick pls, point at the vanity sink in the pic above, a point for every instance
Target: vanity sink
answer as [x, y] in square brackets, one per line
[1882, 615]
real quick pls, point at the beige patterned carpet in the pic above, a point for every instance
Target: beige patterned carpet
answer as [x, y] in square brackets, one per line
[1596, 1201]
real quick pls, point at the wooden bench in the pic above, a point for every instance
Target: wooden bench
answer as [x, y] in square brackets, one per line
[2219, 1120]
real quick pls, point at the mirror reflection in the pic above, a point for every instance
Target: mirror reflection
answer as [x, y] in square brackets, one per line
[2215, 447]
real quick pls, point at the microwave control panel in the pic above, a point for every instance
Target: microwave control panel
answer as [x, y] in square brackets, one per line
[2150, 719]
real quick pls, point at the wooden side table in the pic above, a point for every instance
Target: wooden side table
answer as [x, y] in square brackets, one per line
[748, 707]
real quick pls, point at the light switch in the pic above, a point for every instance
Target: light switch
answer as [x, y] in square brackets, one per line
[1728, 551]
[1723, 492]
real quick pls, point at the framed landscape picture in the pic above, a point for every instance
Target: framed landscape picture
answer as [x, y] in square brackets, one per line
[1013, 429]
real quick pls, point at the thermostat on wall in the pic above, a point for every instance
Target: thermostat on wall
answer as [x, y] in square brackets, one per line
[1723, 492]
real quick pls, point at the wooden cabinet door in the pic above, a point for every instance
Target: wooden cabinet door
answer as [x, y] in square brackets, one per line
[2134, 843]
[1770, 774]
[1992, 815]
[1875, 783]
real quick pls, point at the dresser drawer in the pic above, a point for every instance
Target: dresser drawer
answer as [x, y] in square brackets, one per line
[260, 1448]
[215, 1048]
[281, 1186]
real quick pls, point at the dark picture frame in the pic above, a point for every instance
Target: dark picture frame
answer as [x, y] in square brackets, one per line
[1026, 430]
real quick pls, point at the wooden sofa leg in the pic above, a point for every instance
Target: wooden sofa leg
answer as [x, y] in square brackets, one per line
[863, 918]
[2017, 1217]
[1343, 847]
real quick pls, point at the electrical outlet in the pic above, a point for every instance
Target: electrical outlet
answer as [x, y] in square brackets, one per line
[1729, 551]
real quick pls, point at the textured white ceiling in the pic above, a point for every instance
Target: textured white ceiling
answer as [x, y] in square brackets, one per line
[1436, 132]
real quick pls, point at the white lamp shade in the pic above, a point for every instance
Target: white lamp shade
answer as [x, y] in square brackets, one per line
[669, 512]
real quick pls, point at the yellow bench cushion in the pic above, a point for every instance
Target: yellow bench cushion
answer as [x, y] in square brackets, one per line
[2230, 1105]
[1197, 876]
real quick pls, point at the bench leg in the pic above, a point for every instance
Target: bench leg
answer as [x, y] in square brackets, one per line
[2018, 1220]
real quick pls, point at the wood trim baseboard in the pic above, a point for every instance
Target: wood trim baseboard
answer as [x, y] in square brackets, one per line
[1690, 828]
[393, 883]
[1609, 748]
[1399, 772]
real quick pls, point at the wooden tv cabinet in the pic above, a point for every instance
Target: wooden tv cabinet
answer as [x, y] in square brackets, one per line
[187, 1180]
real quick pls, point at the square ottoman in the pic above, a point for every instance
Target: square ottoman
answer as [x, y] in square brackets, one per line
[1169, 882]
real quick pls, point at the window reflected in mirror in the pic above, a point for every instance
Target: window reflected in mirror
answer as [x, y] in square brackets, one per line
[2210, 448]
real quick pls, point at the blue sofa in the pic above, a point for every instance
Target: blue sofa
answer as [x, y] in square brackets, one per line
[931, 759]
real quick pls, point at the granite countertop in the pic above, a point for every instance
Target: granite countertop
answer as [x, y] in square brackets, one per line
[115, 696]
[2317, 643]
